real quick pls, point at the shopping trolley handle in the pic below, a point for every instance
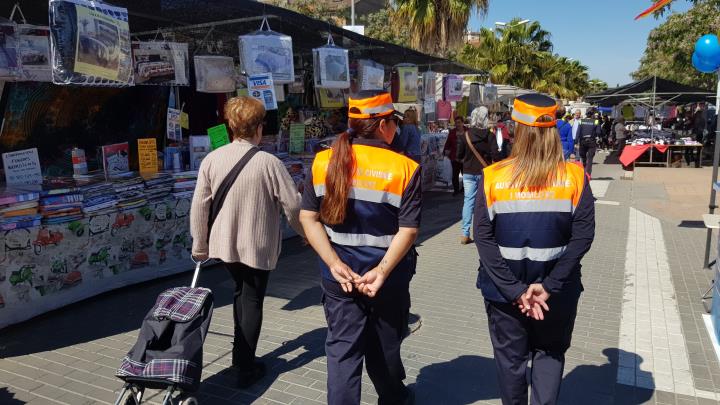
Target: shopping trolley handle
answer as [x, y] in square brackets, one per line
[196, 274]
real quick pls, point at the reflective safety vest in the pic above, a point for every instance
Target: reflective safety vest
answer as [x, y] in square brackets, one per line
[532, 227]
[379, 183]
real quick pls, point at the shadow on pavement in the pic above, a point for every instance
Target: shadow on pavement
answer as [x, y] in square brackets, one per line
[314, 344]
[307, 298]
[692, 224]
[8, 398]
[469, 379]
[592, 384]
[464, 380]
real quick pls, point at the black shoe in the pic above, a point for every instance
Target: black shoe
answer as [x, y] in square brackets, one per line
[246, 378]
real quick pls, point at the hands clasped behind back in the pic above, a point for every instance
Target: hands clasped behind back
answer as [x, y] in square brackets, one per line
[533, 302]
[368, 284]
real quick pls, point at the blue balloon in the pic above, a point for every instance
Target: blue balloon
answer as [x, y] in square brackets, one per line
[708, 47]
[704, 65]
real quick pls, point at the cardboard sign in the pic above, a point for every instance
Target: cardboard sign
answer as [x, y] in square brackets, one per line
[22, 167]
[261, 87]
[147, 155]
[297, 138]
[174, 130]
[218, 136]
[184, 120]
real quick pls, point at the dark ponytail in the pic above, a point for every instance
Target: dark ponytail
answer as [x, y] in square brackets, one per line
[338, 181]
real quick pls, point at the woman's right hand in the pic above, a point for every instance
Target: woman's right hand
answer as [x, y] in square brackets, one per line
[343, 275]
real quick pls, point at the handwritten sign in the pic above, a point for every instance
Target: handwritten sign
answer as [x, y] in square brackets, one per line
[218, 136]
[297, 138]
[147, 155]
[22, 167]
[261, 87]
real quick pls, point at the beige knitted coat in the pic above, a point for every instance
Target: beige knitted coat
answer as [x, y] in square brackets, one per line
[247, 229]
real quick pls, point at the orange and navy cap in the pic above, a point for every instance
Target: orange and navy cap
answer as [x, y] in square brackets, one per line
[528, 109]
[371, 104]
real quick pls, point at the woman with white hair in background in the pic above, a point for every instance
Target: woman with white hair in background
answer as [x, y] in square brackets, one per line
[476, 150]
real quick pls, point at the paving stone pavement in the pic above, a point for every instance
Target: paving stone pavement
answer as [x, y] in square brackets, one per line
[69, 356]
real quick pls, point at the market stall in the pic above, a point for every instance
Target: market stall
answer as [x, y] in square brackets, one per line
[98, 189]
[648, 105]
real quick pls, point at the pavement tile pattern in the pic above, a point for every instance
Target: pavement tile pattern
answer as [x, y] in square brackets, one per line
[69, 356]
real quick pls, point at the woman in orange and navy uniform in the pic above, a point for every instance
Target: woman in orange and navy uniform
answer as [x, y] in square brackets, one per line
[361, 213]
[534, 222]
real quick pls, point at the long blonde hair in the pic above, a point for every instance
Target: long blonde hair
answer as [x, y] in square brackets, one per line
[537, 158]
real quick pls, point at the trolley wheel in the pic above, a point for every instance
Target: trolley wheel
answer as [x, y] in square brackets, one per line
[189, 401]
[131, 395]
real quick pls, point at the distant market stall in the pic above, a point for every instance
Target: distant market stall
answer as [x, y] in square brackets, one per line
[650, 108]
[108, 110]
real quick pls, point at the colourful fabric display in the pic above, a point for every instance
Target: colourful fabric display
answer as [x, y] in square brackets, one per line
[443, 110]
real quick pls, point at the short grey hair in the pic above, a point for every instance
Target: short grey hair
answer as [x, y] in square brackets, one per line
[479, 118]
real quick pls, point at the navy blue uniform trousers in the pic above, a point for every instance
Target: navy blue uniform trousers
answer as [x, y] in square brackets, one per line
[370, 328]
[517, 339]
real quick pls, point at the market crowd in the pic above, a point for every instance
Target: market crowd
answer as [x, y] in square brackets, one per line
[361, 212]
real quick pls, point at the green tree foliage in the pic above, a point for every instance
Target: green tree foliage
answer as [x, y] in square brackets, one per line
[670, 46]
[436, 26]
[379, 25]
[521, 55]
[596, 86]
[311, 8]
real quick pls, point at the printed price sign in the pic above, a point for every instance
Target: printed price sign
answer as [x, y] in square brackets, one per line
[147, 155]
[218, 136]
[22, 167]
[297, 138]
[261, 87]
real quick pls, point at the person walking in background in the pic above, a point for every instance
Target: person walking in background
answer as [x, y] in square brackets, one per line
[587, 134]
[529, 275]
[246, 233]
[565, 132]
[408, 140]
[620, 135]
[450, 151]
[576, 125]
[361, 212]
[476, 150]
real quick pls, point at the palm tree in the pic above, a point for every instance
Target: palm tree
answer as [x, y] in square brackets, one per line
[437, 26]
[521, 55]
[597, 85]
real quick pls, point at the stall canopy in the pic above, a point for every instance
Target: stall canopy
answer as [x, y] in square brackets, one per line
[213, 26]
[652, 91]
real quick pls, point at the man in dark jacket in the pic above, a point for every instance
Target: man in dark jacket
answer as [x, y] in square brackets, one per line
[483, 145]
[565, 131]
[450, 151]
[588, 130]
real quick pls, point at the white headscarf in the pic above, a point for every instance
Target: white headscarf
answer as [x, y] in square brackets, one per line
[479, 118]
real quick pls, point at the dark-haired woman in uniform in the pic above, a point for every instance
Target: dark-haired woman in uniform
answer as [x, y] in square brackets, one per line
[361, 213]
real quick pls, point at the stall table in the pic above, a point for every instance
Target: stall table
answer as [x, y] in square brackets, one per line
[632, 153]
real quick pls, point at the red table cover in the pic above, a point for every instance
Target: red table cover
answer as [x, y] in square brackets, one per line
[632, 152]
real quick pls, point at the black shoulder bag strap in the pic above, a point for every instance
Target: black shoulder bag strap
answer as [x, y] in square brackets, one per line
[219, 199]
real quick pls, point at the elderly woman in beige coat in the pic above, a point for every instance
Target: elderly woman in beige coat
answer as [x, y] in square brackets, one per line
[246, 233]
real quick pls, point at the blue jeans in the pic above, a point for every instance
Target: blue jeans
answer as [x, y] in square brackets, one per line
[471, 183]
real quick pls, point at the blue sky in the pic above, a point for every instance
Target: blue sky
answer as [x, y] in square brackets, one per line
[600, 34]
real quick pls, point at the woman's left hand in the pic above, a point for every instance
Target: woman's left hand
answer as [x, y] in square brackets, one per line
[371, 282]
